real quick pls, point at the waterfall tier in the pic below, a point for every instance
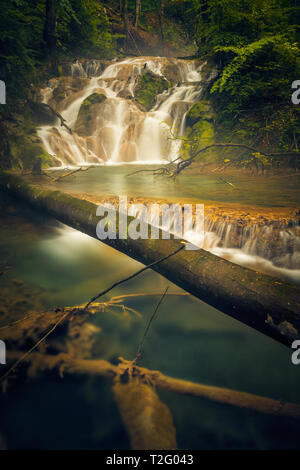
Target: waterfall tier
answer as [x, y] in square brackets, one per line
[98, 102]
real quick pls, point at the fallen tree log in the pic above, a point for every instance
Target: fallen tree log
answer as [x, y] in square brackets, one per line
[260, 301]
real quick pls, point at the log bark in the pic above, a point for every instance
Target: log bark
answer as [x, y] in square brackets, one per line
[262, 302]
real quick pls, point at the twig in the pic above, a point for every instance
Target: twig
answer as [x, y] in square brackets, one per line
[54, 180]
[187, 162]
[227, 182]
[133, 276]
[139, 351]
[62, 120]
[11, 369]
[24, 356]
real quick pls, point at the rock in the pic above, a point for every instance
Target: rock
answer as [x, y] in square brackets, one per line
[125, 94]
[200, 111]
[125, 72]
[148, 87]
[85, 124]
[107, 138]
[178, 107]
[42, 114]
[172, 73]
[128, 152]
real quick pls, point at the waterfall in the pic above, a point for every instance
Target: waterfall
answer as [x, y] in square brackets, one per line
[273, 249]
[120, 131]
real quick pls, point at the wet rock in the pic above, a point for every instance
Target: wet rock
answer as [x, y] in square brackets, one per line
[128, 152]
[200, 111]
[148, 87]
[125, 94]
[89, 110]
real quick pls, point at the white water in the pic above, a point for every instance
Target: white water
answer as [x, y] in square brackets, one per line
[251, 250]
[122, 132]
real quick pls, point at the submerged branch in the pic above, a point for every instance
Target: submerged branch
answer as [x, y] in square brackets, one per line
[67, 312]
[54, 180]
[67, 364]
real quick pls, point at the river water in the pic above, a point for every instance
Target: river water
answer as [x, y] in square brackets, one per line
[46, 265]
[188, 339]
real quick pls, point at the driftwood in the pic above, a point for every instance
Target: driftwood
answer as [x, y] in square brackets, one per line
[182, 164]
[70, 173]
[62, 120]
[260, 301]
[56, 113]
[65, 364]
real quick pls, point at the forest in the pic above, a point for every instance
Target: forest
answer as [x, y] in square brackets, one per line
[156, 109]
[253, 44]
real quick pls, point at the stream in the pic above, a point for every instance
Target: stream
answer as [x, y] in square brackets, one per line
[47, 264]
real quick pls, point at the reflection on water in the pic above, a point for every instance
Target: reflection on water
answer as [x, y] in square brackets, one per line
[273, 191]
[188, 339]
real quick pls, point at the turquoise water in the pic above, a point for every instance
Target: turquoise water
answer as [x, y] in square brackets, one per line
[188, 339]
[277, 191]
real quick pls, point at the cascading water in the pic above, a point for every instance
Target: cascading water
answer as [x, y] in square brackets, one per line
[271, 249]
[119, 130]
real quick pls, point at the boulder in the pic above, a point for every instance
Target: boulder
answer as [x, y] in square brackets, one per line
[148, 87]
[89, 111]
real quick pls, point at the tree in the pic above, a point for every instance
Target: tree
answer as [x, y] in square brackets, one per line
[126, 22]
[160, 26]
[49, 33]
[50, 25]
[138, 5]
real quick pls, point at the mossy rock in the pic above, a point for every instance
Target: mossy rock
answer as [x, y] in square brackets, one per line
[200, 111]
[28, 153]
[42, 115]
[204, 134]
[147, 89]
[83, 123]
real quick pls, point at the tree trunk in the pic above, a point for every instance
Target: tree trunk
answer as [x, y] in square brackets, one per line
[260, 301]
[50, 32]
[126, 23]
[160, 27]
[137, 12]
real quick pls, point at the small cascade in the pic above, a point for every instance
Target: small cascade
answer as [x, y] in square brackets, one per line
[272, 248]
[119, 129]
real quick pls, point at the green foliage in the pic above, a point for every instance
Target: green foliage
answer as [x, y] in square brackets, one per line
[88, 34]
[148, 87]
[254, 45]
[200, 111]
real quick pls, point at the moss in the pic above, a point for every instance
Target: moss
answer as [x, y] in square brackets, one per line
[86, 112]
[200, 111]
[28, 153]
[148, 87]
[204, 134]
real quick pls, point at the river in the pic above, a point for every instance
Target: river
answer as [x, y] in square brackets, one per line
[50, 265]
